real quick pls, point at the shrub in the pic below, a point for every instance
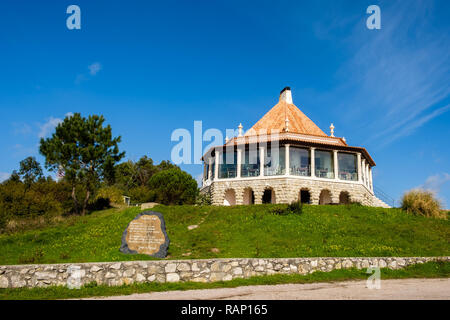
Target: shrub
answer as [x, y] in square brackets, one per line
[204, 199]
[113, 194]
[141, 194]
[3, 220]
[423, 203]
[295, 207]
[99, 204]
[174, 186]
[279, 211]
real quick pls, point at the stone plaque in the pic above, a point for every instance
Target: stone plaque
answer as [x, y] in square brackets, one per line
[146, 234]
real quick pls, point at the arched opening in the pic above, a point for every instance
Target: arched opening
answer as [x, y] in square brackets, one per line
[269, 196]
[305, 196]
[344, 197]
[249, 196]
[230, 198]
[325, 197]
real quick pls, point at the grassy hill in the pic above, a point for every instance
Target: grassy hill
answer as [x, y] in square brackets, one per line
[241, 231]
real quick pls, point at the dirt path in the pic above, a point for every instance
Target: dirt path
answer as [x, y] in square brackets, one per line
[390, 290]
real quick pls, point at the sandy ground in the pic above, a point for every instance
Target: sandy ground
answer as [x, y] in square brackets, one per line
[408, 289]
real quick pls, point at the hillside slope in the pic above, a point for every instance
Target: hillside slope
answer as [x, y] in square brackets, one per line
[241, 231]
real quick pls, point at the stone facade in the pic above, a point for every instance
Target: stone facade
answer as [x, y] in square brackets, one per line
[287, 190]
[119, 273]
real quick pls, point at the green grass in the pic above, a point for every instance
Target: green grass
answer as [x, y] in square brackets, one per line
[240, 231]
[427, 270]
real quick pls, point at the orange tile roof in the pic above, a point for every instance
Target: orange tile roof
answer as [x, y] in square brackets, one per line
[301, 130]
[275, 120]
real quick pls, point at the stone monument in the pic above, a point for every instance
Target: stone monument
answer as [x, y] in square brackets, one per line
[146, 234]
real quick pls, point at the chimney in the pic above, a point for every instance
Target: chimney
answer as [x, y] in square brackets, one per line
[286, 95]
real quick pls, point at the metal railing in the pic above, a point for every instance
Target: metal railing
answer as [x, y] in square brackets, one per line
[383, 196]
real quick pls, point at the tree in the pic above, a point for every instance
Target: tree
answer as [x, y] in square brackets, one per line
[30, 171]
[129, 175]
[125, 175]
[166, 165]
[174, 186]
[84, 150]
[14, 177]
[145, 170]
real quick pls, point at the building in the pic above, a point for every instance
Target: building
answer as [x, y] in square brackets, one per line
[286, 157]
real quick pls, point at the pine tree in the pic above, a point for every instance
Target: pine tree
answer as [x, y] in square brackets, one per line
[85, 150]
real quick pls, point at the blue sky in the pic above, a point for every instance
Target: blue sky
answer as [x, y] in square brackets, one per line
[151, 67]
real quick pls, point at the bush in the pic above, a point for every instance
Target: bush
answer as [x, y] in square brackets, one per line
[99, 204]
[174, 186]
[113, 194]
[204, 199]
[295, 207]
[3, 220]
[141, 194]
[17, 200]
[423, 203]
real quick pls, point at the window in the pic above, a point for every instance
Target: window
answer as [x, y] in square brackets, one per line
[275, 161]
[347, 166]
[299, 161]
[228, 165]
[206, 172]
[324, 164]
[250, 162]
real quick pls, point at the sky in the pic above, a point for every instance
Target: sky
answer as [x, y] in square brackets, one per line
[151, 67]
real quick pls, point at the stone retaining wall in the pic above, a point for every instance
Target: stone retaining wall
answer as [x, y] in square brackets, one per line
[118, 273]
[287, 190]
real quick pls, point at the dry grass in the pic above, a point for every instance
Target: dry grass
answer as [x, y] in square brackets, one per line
[423, 203]
[34, 223]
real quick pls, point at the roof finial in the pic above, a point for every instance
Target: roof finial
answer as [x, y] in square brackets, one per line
[286, 125]
[286, 95]
[240, 129]
[332, 130]
[226, 139]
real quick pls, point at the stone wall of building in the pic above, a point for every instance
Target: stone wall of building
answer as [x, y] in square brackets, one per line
[119, 273]
[287, 190]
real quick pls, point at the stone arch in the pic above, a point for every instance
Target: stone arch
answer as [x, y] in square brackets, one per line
[229, 197]
[269, 195]
[325, 197]
[304, 195]
[248, 196]
[344, 197]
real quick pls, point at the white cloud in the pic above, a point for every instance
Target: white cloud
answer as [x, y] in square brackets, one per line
[434, 183]
[4, 176]
[398, 75]
[94, 68]
[50, 125]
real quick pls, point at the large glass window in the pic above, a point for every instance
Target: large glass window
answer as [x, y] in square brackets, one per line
[275, 163]
[299, 161]
[347, 166]
[206, 171]
[213, 169]
[324, 164]
[250, 163]
[228, 165]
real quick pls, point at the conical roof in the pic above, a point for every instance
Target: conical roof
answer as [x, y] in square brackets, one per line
[275, 120]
